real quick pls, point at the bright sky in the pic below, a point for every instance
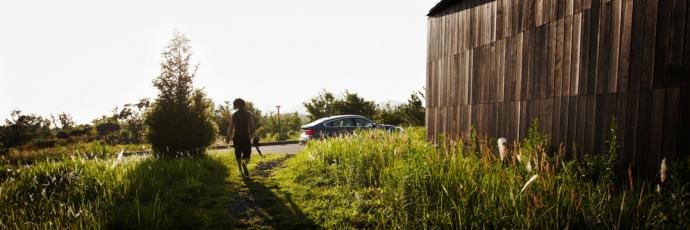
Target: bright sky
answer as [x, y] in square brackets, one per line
[85, 57]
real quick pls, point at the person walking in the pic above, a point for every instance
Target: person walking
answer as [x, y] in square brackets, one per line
[241, 131]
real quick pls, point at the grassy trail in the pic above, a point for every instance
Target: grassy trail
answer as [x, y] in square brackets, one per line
[143, 192]
[260, 204]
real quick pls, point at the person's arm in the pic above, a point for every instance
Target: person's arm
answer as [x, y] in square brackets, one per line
[231, 127]
[251, 126]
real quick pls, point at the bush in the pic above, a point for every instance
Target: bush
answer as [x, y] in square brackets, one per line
[181, 118]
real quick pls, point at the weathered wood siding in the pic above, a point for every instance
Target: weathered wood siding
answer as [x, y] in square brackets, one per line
[572, 64]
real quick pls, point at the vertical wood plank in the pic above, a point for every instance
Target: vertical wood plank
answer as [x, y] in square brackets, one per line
[630, 129]
[684, 127]
[593, 47]
[657, 125]
[663, 30]
[556, 121]
[685, 81]
[584, 54]
[500, 21]
[624, 60]
[616, 8]
[589, 123]
[528, 70]
[539, 13]
[621, 116]
[581, 118]
[551, 60]
[644, 128]
[547, 110]
[671, 123]
[523, 121]
[649, 42]
[604, 44]
[576, 57]
[678, 35]
[636, 47]
[559, 44]
[519, 70]
[567, 55]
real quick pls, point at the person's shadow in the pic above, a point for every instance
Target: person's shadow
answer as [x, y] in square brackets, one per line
[194, 193]
[280, 213]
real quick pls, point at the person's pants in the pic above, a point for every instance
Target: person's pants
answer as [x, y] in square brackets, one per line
[243, 152]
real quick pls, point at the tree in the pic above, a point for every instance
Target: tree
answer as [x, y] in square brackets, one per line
[65, 120]
[354, 104]
[256, 113]
[132, 117]
[389, 114]
[320, 106]
[414, 113]
[325, 105]
[180, 120]
[20, 129]
[107, 125]
[221, 115]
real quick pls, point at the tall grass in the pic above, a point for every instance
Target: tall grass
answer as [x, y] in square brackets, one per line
[94, 149]
[140, 192]
[404, 181]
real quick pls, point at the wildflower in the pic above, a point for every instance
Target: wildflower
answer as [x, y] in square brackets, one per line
[663, 171]
[658, 188]
[502, 148]
[531, 179]
[119, 158]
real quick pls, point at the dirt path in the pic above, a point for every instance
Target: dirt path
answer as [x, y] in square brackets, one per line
[259, 203]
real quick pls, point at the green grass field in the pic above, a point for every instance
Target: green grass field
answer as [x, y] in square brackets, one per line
[142, 192]
[379, 180]
[370, 180]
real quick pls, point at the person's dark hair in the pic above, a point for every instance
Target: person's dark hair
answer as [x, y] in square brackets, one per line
[239, 104]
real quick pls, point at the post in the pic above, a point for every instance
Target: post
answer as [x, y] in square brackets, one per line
[280, 128]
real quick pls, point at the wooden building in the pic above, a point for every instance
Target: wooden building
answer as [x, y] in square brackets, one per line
[572, 64]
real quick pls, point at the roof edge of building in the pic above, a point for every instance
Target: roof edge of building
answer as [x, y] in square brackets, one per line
[439, 6]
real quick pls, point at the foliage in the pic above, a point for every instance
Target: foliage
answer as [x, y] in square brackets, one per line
[322, 105]
[180, 120]
[132, 119]
[352, 103]
[65, 120]
[106, 126]
[401, 180]
[272, 129]
[20, 129]
[221, 115]
[388, 114]
[413, 113]
[61, 151]
[326, 104]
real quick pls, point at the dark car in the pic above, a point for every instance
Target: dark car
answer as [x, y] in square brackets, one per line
[340, 125]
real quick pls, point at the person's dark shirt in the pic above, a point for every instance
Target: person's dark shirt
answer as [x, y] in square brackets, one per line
[243, 126]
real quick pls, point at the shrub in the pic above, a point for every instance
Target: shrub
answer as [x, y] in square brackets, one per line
[181, 118]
